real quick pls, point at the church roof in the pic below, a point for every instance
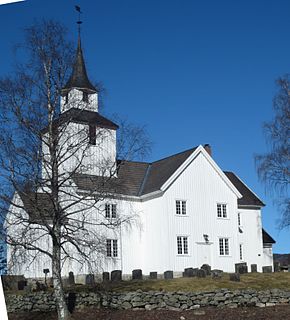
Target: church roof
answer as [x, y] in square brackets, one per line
[141, 178]
[79, 78]
[249, 198]
[267, 238]
[83, 116]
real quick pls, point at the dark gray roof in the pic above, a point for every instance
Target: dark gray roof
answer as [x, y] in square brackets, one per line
[83, 116]
[267, 238]
[79, 78]
[140, 178]
[249, 198]
[38, 206]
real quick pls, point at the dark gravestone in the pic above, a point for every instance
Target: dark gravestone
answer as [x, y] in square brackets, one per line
[288, 268]
[22, 284]
[116, 275]
[90, 279]
[106, 276]
[267, 269]
[235, 277]
[168, 274]
[137, 274]
[153, 275]
[277, 266]
[206, 268]
[71, 279]
[201, 273]
[254, 268]
[71, 301]
[241, 268]
[189, 272]
[216, 274]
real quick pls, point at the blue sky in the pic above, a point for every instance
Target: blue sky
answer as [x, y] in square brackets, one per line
[193, 72]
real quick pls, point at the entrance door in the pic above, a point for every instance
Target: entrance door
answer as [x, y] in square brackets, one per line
[204, 253]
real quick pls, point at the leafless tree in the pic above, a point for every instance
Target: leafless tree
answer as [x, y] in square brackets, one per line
[42, 159]
[273, 167]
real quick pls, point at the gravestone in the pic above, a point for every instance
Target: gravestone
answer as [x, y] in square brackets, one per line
[201, 273]
[168, 274]
[106, 276]
[267, 269]
[90, 279]
[137, 274]
[71, 279]
[22, 284]
[190, 272]
[216, 274]
[153, 275]
[116, 275]
[254, 268]
[241, 268]
[235, 277]
[206, 268]
[277, 266]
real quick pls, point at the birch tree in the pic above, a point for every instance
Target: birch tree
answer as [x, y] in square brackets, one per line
[274, 166]
[45, 214]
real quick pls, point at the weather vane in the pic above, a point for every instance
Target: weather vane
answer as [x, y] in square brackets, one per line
[79, 22]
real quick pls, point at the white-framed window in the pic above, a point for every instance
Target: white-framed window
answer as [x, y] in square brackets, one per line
[224, 247]
[222, 210]
[110, 210]
[241, 251]
[180, 206]
[112, 248]
[182, 245]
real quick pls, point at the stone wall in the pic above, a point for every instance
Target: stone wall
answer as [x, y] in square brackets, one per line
[44, 301]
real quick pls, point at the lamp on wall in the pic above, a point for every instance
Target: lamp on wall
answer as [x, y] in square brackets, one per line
[205, 236]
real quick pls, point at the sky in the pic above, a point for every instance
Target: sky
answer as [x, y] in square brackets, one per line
[192, 72]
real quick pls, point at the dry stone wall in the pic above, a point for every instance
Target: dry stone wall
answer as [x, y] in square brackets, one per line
[44, 301]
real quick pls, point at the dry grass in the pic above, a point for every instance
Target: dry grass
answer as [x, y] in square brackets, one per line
[258, 281]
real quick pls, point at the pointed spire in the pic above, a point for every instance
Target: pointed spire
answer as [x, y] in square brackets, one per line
[79, 78]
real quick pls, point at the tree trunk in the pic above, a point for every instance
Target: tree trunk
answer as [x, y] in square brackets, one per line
[61, 306]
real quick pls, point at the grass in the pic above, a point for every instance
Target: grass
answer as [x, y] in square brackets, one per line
[257, 281]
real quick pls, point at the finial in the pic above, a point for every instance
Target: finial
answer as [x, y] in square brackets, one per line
[79, 22]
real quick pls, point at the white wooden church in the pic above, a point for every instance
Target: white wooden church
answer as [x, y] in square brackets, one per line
[189, 211]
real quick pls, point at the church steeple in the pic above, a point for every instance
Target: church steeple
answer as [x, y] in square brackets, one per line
[79, 78]
[79, 92]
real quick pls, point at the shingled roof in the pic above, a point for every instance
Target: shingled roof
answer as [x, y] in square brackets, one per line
[249, 198]
[76, 115]
[141, 178]
[267, 238]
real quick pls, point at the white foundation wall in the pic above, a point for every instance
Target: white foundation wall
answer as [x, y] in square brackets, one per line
[202, 188]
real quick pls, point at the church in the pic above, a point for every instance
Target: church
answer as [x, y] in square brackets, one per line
[187, 211]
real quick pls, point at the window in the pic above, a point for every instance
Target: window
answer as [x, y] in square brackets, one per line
[85, 97]
[224, 246]
[221, 210]
[112, 248]
[92, 134]
[111, 211]
[241, 252]
[180, 207]
[182, 245]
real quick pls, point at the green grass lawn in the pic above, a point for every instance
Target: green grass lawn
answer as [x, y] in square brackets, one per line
[258, 281]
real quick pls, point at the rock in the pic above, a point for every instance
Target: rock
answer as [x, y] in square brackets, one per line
[126, 305]
[260, 305]
[199, 312]
[182, 318]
